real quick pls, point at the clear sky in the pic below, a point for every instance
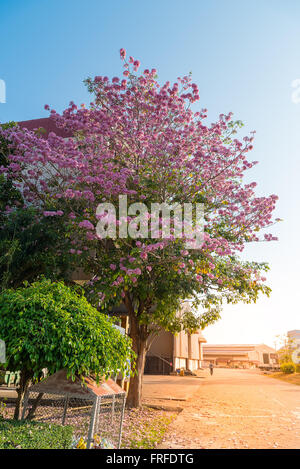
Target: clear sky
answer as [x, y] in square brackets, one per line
[244, 55]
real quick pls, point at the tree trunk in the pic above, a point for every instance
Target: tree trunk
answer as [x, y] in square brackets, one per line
[138, 334]
[134, 398]
[25, 378]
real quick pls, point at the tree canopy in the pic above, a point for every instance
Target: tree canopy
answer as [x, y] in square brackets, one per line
[141, 140]
[30, 244]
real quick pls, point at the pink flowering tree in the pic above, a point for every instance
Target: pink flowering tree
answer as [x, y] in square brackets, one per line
[142, 140]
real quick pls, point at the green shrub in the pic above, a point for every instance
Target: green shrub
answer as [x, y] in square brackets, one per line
[298, 368]
[34, 435]
[288, 367]
[49, 325]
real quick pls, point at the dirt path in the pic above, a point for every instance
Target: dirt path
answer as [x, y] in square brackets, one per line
[231, 409]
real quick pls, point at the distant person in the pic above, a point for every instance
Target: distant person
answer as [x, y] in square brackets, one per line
[211, 368]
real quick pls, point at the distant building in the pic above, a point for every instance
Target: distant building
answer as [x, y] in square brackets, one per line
[294, 334]
[238, 355]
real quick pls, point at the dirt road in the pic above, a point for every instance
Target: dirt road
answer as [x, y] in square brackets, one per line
[231, 409]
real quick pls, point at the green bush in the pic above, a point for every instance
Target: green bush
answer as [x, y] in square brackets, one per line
[49, 325]
[288, 367]
[298, 368]
[34, 435]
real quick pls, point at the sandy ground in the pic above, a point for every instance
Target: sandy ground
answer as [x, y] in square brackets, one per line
[231, 409]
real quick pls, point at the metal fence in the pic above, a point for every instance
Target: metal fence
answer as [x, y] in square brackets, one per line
[96, 423]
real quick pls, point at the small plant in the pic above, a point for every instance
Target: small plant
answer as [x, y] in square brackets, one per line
[78, 443]
[288, 368]
[98, 443]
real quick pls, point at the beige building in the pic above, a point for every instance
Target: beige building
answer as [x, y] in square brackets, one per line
[170, 352]
[239, 355]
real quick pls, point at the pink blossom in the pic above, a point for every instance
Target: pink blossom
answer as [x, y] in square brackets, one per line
[122, 53]
[86, 224]
[147, 136]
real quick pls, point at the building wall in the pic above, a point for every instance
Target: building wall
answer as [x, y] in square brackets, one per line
[182, 349]
[162, 345]
[195, 349]
[181, 346]
[226, 360]
[179, 363]
[193, 365]
[265, 352]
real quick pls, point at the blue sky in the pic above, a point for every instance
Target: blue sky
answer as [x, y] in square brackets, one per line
[244, 56]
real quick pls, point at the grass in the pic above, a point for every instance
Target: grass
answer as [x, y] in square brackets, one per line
[34, 435]
[145, 428]
[142, 429]
[293, 378]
